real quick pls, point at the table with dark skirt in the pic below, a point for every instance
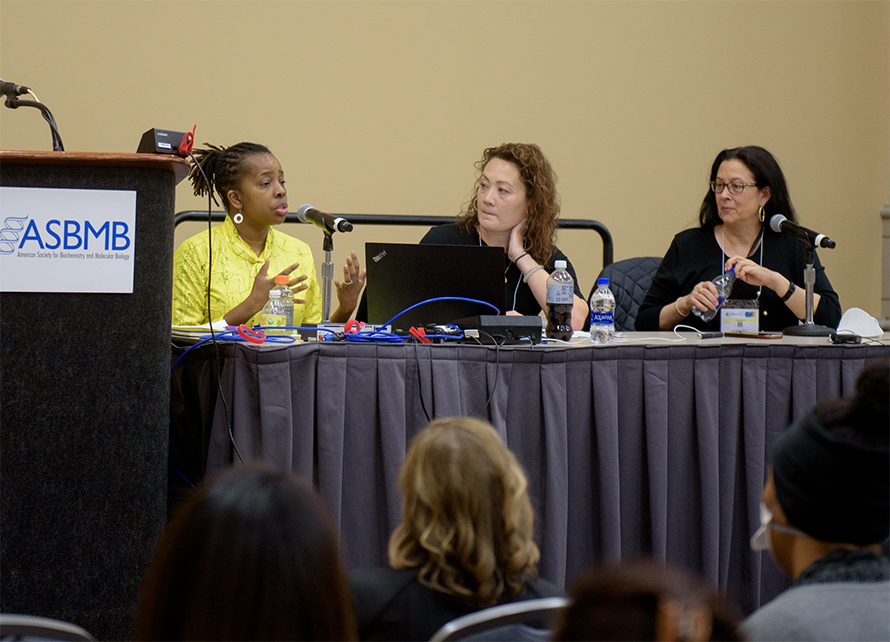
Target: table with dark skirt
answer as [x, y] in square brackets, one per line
[638, 448]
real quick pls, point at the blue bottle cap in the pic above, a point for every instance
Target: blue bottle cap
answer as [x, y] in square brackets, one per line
[603, 280]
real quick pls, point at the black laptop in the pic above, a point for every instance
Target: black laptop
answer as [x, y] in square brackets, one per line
[402, 274]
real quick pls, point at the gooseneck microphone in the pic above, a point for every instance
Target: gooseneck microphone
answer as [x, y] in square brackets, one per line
[11, 90]
[327, 222]
[12, 93]
[779, 223]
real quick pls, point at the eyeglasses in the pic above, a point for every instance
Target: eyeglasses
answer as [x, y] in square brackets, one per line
[734, 188]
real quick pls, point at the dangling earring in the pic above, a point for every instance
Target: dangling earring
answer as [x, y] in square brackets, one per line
[238, 218]
[762, 214]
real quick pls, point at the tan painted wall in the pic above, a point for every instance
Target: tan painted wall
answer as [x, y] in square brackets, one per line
[382, 107]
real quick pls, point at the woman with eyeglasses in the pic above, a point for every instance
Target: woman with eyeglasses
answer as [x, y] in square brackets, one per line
[747, 187]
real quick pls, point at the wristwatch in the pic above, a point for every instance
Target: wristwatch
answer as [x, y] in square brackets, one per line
[791, 289]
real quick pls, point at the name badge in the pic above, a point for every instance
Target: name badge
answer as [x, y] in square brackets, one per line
[740, 315]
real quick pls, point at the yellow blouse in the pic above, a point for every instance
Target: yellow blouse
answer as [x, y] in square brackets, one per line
[235, 266]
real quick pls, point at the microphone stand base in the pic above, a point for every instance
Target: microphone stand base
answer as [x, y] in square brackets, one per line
[808, 330]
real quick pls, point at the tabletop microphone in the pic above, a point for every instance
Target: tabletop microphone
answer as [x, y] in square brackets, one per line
[327, 222]
[779, 223]
[11, 90]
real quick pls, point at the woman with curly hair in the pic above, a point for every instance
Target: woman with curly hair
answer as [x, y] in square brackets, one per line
[465, 542]
[516, 207]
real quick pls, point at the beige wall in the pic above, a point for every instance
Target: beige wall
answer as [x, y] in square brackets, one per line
[382, 107]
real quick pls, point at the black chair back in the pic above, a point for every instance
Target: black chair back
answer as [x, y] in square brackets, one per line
[629, 281]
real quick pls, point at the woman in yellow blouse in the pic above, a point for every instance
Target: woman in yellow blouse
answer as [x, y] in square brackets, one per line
[245, 252]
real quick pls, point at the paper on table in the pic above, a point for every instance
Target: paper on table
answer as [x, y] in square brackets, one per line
[218, 326]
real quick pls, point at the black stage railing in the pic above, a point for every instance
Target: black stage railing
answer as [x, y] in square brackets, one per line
[408, 219]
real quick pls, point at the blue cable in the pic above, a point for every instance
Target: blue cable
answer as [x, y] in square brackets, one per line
[442, 298]
[179, 471]
[233, 336]
[374, 336]
[370, 336]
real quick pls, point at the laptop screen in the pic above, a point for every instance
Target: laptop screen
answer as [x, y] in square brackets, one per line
[401, 275]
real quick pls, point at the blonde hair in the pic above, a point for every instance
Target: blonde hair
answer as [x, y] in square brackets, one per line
[467, 521]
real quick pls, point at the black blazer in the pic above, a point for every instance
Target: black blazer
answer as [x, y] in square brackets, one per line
[392, 605]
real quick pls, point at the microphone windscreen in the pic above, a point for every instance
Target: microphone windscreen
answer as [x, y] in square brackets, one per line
[301, 212]
[776, 221]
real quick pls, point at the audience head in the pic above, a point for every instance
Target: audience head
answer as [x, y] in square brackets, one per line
[767, 173]
[828, 488]
[537, 178]
[251, 556]
[645, 600]
[224, 167]
[467, 519]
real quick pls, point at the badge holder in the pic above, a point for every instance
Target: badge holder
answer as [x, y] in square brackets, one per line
[740, 315]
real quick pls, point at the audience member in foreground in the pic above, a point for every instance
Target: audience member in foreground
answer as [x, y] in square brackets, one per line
[251, 556]
[825, 515]
[645, 600]
[465, 542]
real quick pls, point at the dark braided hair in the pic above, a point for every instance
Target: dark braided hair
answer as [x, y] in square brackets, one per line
[224, 167]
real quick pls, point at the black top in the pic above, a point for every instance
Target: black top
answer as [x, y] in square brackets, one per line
[695, 256]
[393, 605]
[525, 301]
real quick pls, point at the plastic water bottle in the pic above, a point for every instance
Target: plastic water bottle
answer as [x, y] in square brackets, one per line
[560, 300]
[275, 313]
[602, 313]
[724, 287]
[286, 296]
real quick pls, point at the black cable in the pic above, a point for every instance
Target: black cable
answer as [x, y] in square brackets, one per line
[209, 314]
[497, 368]
[870, 341]
[420, 381]
[14, 103]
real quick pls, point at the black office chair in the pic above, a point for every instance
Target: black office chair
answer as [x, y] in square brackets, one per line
[629, 281]
[513, 621]
[32, 627]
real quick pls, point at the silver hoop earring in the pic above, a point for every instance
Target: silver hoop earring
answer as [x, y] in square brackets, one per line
[238, 218]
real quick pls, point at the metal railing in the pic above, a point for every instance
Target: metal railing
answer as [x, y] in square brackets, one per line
[408, 219]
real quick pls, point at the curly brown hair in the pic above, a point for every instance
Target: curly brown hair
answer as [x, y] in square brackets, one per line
[467, 522]
[540, 191]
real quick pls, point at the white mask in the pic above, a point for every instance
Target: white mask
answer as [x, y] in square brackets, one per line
[761, 540]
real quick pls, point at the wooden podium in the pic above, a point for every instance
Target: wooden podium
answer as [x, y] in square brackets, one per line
[84, 410]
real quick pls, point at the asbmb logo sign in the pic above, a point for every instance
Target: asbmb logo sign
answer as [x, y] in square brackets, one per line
[66, 240]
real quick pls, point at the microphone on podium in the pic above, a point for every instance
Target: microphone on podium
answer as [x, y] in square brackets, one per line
[12, 90]
[779, 223]
[327, 222]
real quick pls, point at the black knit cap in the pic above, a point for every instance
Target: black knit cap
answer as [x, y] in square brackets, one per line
[831, 468]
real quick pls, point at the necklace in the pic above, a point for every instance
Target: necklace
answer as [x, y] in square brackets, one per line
[753, 245]
[506, 269]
